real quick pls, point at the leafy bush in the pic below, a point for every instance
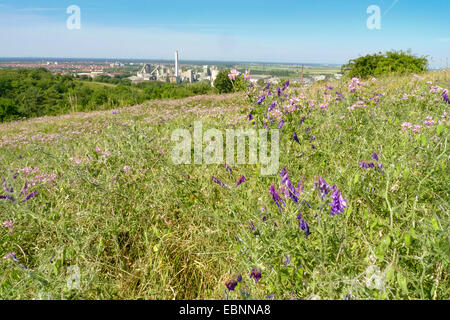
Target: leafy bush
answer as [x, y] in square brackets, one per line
[377, 64]
[224, 84]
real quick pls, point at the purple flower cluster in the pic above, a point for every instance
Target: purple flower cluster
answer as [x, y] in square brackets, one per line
[323, 187]
[220, 183]
[338, 204]
[10, 190]
[255, 274]
[372, 165]
[445, 95]
[240, 181]
[276, 197]
[303, 225]
[231, 284]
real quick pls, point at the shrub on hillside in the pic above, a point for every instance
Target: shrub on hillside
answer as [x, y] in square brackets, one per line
[225, 84]
[377, 64]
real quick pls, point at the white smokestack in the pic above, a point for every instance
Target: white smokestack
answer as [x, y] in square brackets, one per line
[177, 73]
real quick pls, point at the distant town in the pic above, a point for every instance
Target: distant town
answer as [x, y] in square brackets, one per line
[176, 71]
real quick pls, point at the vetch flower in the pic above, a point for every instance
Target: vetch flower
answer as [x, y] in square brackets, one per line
[31, 195]
[255, 274]
[338, 204]
[445, 96]
[303, 225]
[220, 183]
[228, 168]
[374, 156]
[323, 187]
[276, 197]
[240, 181]
[288, 260]
[295, 137]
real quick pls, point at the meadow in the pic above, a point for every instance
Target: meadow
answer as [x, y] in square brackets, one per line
[92, 207]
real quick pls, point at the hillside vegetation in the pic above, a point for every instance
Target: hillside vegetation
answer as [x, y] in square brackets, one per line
[26, 93]
[92, 206]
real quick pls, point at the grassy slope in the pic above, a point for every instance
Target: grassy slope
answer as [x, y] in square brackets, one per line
[160, 231]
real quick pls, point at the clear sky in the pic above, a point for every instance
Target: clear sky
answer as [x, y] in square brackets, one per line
[320, 31]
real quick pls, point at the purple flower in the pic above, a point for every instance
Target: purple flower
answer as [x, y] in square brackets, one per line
[302, 120]
[31, 195]
[328, 87]
[312, 138]
[278, 91]
[341, 97]
[240, 181]
[276, 197]
[270, 296]
[267, 85]
[283, 172]
[5, 187]
[280, 126]
[227, 167]
[445, 95]
[288, 260]
[303, 225]
[231, 285]
[7, 197]
[220, 183]
[323, 187]
[255, 274]
[338, 204]
[11, 255]
[286, 85]
[271, 107]
[9, 224]
[375, 156]
[261, 99]
[295, 137]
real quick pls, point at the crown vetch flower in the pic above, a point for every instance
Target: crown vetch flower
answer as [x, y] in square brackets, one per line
[233, 74]
[255, 274]
[338, 204]
[247, 74]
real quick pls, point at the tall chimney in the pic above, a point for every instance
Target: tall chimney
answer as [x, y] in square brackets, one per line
[177, 72]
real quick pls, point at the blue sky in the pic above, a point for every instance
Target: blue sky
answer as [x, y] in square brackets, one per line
[322, 31]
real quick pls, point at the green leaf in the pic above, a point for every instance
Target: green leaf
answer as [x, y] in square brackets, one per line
[402, 282]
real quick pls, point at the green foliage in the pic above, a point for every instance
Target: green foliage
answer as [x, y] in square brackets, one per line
[397, 62]
[222, 83]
